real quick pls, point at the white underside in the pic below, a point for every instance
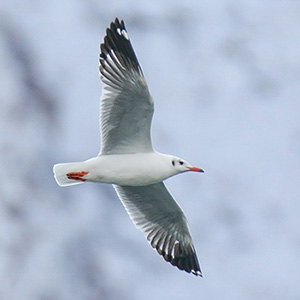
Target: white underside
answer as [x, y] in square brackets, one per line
[126, 169]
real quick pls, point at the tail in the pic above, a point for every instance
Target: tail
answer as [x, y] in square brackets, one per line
[67, 174]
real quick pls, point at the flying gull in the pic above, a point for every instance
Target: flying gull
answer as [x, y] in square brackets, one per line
[127, 159]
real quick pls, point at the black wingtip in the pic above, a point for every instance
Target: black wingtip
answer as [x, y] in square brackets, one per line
[117, 23]
[117, 40]
[197, 273]
[184, 258]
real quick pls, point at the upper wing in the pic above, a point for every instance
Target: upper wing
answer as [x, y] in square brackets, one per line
[154, 211]
[126, 106]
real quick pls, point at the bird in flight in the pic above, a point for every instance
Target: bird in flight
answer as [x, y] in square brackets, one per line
[127, 159]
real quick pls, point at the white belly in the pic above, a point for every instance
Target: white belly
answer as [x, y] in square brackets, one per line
[129, 169]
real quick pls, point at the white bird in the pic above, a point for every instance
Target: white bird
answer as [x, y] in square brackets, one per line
[127, 159]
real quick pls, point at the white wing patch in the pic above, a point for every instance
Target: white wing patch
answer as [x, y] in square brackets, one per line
[123, 32]
[173, 249]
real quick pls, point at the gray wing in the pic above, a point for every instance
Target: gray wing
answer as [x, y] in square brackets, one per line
[126, 106]
[154, 211]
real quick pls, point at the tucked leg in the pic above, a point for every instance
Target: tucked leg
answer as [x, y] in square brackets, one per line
[77, 175]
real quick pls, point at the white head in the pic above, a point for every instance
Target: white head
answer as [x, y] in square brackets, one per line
[179, 165]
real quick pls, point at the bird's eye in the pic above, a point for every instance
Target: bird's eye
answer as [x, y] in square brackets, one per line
[181, 162]
[173, 162]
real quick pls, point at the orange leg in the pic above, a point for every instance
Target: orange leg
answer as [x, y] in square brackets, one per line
[77, 175]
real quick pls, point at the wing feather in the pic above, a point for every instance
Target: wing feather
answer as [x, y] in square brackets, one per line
[126, 106]
[154, 211]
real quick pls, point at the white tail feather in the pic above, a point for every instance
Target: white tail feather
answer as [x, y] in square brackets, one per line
[61, 170]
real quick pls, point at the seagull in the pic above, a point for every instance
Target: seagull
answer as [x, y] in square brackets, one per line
[127, 159]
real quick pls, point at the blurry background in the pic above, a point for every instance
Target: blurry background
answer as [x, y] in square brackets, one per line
[225, 79]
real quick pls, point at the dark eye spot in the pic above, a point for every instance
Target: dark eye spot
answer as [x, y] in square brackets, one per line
[173, 163]
[181, 162]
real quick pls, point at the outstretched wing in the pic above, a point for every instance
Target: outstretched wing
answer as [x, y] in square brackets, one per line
[126, 106]
[154, 211]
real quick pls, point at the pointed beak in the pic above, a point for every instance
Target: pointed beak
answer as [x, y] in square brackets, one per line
[195, 169]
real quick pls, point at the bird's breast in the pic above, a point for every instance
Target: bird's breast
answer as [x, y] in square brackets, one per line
[128, 169]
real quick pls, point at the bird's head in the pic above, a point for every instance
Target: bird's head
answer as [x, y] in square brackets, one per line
[180, 165]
